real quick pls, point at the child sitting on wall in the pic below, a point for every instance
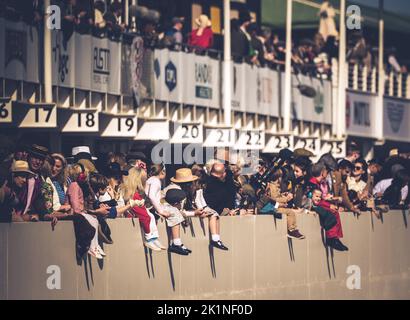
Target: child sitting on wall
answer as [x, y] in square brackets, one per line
[173, 206]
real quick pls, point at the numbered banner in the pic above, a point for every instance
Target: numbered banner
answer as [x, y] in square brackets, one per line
[219, 137]
[361, 114]
[396, 117]
[336, 147]
[187, 133]
[201, 80]
[118, 125]
[311, 144]
[250, 140]
[27, 115]
[5, 110]
[62, 58]
[279, 142]
[78, 120]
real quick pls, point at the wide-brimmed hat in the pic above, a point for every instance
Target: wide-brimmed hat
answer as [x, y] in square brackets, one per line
[136, 155]
[203, 21]
[301, 152]
[38, 151]
[81, 152]
[174, 196]
[21, 166]
[114, 170]
[184, 175]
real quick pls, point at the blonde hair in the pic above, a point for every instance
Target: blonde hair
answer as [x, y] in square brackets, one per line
[134, 182]
[88, 166]
[73, 171]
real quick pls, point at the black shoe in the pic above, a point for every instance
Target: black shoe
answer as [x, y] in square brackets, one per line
[178, 250]
[295, 234]
[218, 244]
[186, 249]
[336, 244]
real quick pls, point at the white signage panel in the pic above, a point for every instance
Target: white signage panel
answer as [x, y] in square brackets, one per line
[250, 140]
[187, 133]
[219, 137]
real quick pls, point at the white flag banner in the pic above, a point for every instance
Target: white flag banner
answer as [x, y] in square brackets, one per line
[114, 78]
[251, 89]
[169, 75]
[396, 115]
[201, 80]
[84, 63]
[101, 64]
[63, 59]
[20, 56]
[317, 109]
[32, 67]
[265, 90]
[238, 92]
[360, 114]
[273, 108]
[126, 77]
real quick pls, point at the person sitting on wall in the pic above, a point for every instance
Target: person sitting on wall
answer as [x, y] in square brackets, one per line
[334, 233]
[16, 183]
[173, 205]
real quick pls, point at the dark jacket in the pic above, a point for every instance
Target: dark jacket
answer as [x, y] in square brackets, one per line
[240, 44]
[220, 194]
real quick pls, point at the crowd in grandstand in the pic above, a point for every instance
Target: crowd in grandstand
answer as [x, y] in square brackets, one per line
[256, 45]
[37, 185]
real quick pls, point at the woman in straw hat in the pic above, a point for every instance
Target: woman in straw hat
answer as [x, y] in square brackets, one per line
[202, 37]
[11, 205]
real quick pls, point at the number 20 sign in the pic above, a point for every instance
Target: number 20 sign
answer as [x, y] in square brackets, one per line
[188, 133]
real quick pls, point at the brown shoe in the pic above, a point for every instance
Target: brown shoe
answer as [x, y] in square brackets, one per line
[295, 234]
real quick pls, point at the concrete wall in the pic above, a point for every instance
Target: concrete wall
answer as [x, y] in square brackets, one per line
[261, 262]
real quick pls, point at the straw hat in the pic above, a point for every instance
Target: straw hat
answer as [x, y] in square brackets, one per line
[21, 166]
[38, 151]
[393, 152]
[203, 21]
[183, 175]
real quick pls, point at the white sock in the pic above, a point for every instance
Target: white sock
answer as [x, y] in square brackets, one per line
[216, 237]
[177, 242]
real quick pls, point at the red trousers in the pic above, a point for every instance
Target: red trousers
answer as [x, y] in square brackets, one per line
[142, 214]
[336, 231]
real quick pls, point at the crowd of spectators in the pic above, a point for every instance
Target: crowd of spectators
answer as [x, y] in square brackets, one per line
[37, 185]
[251, 43]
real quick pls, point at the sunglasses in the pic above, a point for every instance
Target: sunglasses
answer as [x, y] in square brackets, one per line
[358, 168]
